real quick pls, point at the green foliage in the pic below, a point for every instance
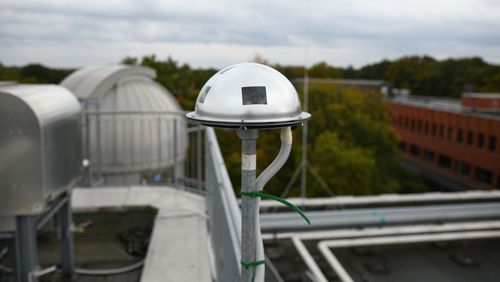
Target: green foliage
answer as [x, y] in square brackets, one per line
[323, 70]
[423, 75]
[183, 82]
[354, 143]
[33, 73]
[449, 78]
[347, 169]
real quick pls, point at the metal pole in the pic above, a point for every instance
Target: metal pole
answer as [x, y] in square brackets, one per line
[159, 144]
[88, 154]
[176, 165]
[26, 250]
[199, 174]
[64, 216]
[303, 182]
[99, 145]
[248, 204]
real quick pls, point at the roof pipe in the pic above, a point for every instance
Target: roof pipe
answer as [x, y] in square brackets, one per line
[325, 246]
[452, 228]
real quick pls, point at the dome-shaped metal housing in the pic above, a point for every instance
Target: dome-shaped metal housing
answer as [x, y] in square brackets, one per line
[248, 95]
[131, 131]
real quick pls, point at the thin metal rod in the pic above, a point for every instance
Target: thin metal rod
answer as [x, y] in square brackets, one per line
[111, 112]
[99, 143]
[199, 174]
[320, 180]
[88, 154]
[42, 220]
[303, 182]
[176, 165]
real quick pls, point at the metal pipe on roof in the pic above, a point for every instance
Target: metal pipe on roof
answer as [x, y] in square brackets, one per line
[390, 199]
[297, 238]
[308, 259]
[382, 216]
[335, 264]
[384, 231]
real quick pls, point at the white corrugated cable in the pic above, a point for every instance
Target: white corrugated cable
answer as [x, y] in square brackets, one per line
[264, 177]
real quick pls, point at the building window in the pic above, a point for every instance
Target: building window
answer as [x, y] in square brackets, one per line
[407, 123]
[462, 168]
[434, 129]
[401, 121]
[441, 131]
[480, 140]
[413, 124]
[426, 127]
[414, 150]
[483, 175]
[450, 133]
[492, 143]
[402, 146]
[460, 136]
[470, 138]
[429, 156]
[419, 125]
[444, 161]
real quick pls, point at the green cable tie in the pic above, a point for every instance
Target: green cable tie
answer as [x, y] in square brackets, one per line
[278, 199]
[248, 264]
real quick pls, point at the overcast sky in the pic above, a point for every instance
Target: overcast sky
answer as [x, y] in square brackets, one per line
[215, 33]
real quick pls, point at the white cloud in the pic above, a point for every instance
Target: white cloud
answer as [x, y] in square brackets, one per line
[219, 32]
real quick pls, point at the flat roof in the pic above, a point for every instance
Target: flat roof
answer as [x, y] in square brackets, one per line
[443, 104]
[352, 82]
[481, 95]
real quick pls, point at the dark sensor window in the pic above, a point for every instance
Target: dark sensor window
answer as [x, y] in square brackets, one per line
[254, 95]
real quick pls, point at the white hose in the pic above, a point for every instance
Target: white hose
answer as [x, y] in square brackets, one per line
[111, 271]
[264, 177]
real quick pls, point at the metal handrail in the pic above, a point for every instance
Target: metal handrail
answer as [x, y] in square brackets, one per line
[223, 210]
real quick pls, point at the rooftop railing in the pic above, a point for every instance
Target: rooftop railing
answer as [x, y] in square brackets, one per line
[162, 148]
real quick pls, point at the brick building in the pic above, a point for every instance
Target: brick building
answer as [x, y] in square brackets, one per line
[455, 139]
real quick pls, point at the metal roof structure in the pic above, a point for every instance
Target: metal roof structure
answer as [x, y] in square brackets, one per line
[121, 87]
[96, 81]
[134, 122]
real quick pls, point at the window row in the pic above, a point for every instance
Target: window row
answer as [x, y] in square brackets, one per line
[480, 174]
[452, 134]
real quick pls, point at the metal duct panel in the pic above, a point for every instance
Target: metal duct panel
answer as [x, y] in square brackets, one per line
[40, 146]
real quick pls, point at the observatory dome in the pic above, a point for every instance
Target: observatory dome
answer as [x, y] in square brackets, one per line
[134, 123]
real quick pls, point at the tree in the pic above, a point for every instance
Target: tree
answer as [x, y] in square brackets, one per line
[347, 168]
[323, 70]
[359, 122]
[129, 61]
